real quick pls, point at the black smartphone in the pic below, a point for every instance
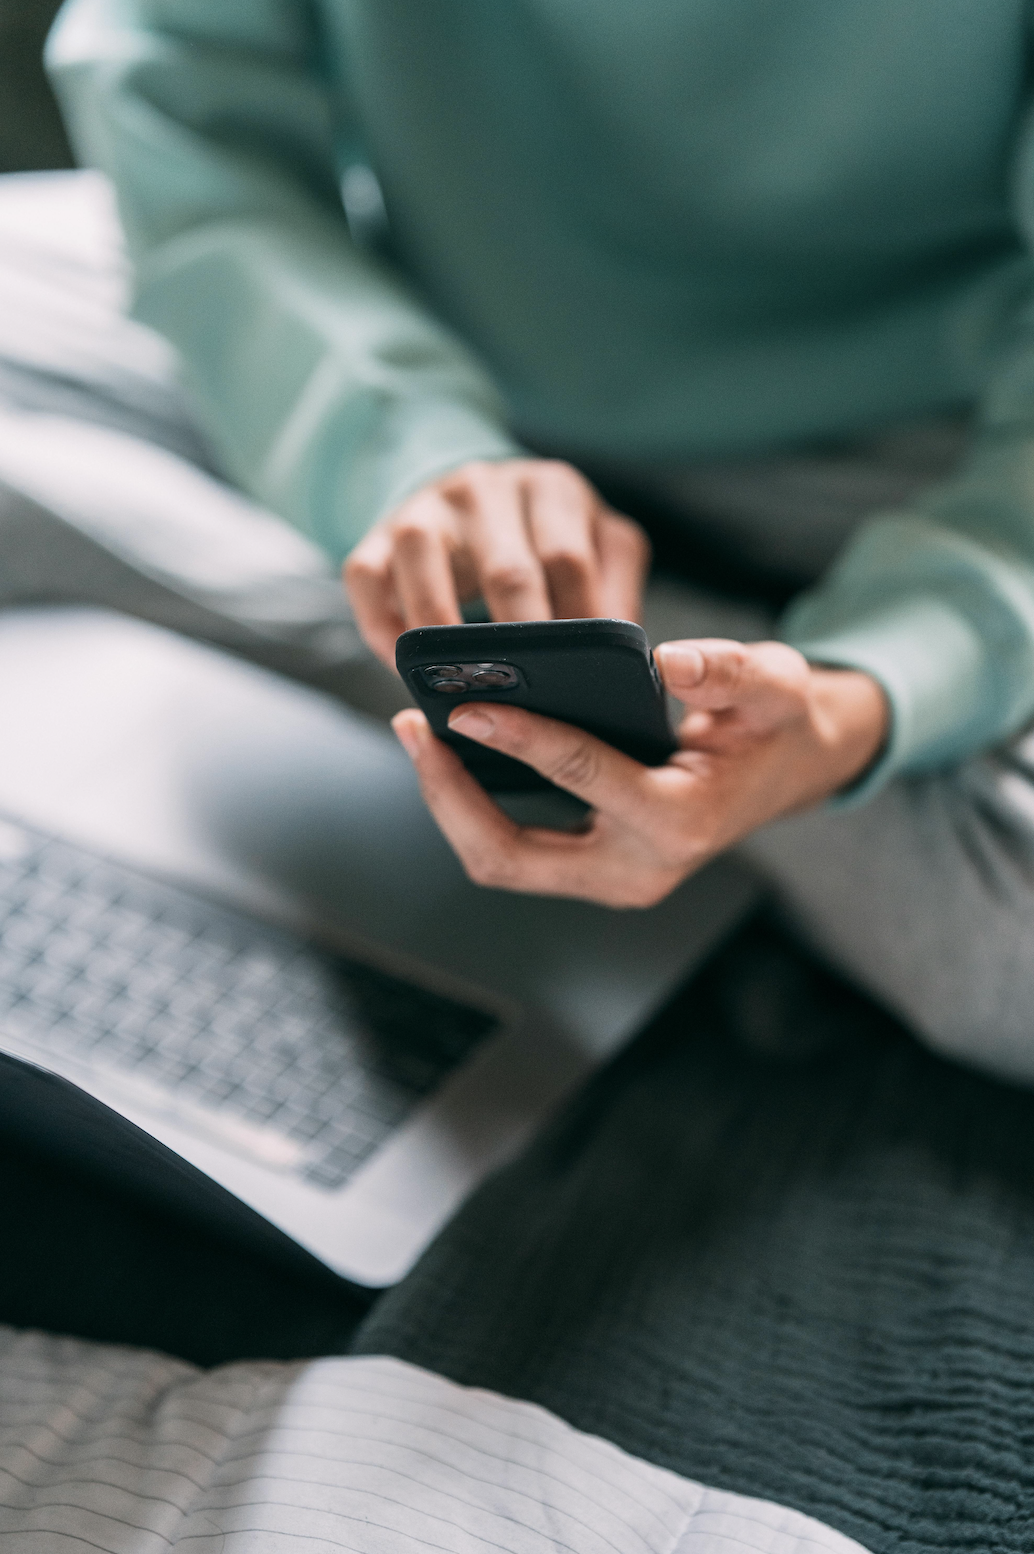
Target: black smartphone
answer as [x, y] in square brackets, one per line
[597, 674]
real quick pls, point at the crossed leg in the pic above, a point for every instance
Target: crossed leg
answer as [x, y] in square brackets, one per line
[925, 897]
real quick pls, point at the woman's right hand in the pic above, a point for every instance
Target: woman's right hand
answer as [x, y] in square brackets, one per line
[531, 537]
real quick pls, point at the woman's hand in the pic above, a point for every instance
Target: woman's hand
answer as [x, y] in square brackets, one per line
[764, 734]
[529, 536]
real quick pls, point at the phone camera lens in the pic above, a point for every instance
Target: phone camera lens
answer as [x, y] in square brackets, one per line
[449, 687]
[444, 672]
[496, 676]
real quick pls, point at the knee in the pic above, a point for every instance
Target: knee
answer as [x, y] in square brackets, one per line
[926, 899]
[978, 1011]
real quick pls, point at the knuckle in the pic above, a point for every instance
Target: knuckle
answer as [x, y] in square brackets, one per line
[481, 478]
[564, 479]
[630, 536]
[647, 895]
[477, 870]
[636, 895]
[411, 527]
[566, 561]
[491, 870]
[733, 668]
[509, 579]
[677, 837]
[784, 663]
[578, 767]
[359, 567]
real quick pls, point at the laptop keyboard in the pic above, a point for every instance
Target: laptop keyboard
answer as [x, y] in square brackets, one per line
[247, 1022]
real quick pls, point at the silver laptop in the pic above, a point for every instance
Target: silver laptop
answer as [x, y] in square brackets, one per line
[229, 918]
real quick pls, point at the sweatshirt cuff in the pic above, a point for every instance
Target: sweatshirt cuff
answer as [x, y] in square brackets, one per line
[929, 660]
[431, 438]
[347, 481]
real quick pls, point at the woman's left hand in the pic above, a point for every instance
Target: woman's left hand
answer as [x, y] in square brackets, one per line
[765, 734]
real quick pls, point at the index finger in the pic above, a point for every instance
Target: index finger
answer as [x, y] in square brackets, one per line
[575, 761]
[371, 590]
[493, 849]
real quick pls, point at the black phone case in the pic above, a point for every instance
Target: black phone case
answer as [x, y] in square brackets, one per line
[597, 674]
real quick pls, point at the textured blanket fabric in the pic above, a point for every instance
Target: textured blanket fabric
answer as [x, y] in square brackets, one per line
[790, 1257]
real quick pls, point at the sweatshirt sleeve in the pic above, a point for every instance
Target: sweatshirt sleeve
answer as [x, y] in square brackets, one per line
[937, 604]
[937, 601]
[328, 388]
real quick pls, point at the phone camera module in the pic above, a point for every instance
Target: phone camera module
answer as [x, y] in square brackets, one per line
[454, 679]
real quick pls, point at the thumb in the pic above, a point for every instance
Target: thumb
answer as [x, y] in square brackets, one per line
[715, 675]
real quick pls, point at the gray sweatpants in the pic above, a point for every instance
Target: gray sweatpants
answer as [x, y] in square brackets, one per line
[925, 896]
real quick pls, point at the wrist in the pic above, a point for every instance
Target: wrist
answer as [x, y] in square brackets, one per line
[850, 716]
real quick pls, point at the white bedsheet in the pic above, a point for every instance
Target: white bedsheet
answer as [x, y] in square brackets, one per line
[130, 1452]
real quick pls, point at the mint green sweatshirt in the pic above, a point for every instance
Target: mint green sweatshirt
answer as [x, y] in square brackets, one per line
[634, 230]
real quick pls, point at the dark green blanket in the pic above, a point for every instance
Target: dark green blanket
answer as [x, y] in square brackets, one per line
[776, 1246]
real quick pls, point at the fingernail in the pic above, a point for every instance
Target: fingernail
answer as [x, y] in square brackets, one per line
[475, 724]
[683, 662]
